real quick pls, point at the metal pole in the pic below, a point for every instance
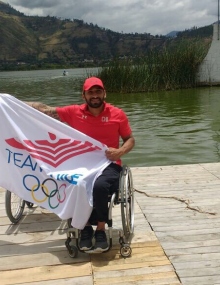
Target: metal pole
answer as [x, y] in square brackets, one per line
[218, 20]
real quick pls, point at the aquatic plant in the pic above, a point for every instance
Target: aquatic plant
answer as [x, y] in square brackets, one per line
[172, 67]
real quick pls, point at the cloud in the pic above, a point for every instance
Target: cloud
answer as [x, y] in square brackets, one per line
[35, 4]
[129, 16]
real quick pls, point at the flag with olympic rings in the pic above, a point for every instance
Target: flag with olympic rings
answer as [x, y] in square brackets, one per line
[48, 163]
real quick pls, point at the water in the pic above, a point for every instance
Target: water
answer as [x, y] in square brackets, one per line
[176, 127]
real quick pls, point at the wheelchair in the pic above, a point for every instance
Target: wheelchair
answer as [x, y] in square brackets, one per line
[124, 196]
[14, 206]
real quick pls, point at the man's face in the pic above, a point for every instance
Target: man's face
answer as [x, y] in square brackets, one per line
[95, 96]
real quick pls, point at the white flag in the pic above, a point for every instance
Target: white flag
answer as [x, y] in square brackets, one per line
[48, 163]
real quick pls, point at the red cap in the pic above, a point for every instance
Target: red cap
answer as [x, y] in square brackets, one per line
[92, 81]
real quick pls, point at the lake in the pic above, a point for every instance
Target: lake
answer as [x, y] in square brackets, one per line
[175, 127]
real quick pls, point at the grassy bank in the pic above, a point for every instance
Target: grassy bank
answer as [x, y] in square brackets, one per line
[173, 67]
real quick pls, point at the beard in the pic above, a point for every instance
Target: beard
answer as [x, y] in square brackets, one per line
[98, 102]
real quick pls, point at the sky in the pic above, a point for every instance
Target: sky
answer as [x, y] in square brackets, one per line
[157, 17]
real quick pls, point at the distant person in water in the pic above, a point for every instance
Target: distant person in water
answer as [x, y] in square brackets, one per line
[64, 72]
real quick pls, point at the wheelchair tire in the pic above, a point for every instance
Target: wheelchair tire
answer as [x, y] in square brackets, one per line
[125, 251]
[72, 249]
[73, 253]
[29, 204]
[127, 201]
[14, 207]
[69, 221]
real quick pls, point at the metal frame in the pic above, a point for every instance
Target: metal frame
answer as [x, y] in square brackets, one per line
[125, 197]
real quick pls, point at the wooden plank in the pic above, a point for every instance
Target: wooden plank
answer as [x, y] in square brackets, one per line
[132, 265]
[138, 239]
[82, 280]
[190, 226]
[201, 264]
[186, 217]
[133, 272]
[191, 244]
[204, 280]
[34, 227]
[185, 222]
[45, 273]
[42, 259]
[30, 218]
[17, 238]
[137, 253]
[137, 276]
[192, 250]
[194, 257]
[164, 281]
[31, 248]
[189, 238]
[192, 232]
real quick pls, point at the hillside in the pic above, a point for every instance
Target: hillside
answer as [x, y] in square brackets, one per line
[49, 39]
[46, 40]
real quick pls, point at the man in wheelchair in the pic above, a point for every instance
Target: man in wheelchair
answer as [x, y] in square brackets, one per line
[107, 124]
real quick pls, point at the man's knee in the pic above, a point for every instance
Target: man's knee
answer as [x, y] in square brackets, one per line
[100, 188]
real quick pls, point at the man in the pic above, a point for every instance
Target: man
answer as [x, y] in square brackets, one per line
[107, 124]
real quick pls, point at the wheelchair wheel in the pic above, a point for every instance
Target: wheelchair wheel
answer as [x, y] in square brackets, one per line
[73, 253]
[126, 192]
[69, 221]
[29, 204]
[125, 251]
[14, 207]
[72, 249]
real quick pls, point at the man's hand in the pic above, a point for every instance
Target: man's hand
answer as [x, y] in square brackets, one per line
[113, 154]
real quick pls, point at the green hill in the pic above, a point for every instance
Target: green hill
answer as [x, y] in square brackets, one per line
[38, 41]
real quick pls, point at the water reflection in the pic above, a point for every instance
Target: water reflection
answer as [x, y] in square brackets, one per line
[176, 127]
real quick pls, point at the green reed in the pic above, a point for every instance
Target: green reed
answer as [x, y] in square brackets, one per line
[173, 67]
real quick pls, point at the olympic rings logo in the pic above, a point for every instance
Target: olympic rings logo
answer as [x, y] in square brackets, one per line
[49, 190]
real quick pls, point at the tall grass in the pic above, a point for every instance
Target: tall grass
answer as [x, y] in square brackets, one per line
[173, 67]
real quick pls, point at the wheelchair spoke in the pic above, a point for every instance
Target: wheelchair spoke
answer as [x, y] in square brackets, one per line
[127, 202]
[14, 207]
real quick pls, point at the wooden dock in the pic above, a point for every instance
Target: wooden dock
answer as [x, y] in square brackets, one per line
[176, 240]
